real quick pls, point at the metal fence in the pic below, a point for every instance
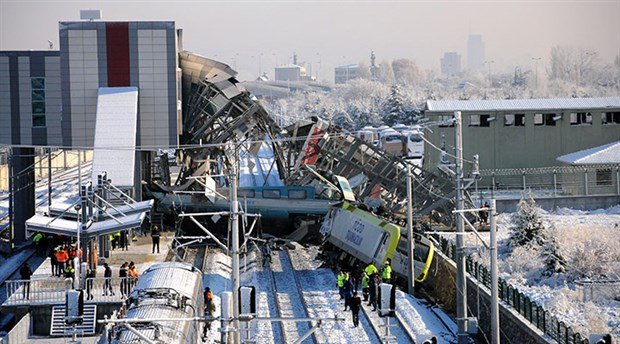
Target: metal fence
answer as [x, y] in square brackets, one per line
[598, 290]
[549, 181]
[521, 303]
[52, 290]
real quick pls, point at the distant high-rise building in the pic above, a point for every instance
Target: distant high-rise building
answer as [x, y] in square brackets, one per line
[451, 63]
[475, 52]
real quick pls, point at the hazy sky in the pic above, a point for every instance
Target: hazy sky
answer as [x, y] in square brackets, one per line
[339, 32]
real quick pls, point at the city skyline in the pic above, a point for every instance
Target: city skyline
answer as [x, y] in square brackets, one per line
[327, 34]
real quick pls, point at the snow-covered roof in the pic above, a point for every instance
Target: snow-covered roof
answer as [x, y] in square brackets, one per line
[348, 66]
[522, 104]
[605, 154]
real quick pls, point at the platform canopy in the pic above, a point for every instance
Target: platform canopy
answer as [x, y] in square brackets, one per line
[53, 225]
[67, 210]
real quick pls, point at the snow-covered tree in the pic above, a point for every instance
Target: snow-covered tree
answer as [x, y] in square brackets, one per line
[528, 229]
[527, 223]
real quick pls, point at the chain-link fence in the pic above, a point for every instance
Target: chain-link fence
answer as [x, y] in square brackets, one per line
[521, 303]
[556, 181]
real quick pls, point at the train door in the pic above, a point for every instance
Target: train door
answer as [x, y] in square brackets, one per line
[382, 250]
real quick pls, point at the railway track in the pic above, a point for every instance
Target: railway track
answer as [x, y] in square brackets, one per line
[399, 331]
[288, 294]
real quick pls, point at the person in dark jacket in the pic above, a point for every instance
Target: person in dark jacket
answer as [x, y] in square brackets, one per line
[347, 289]
[373, 291]
[155, 235]
[107, 285]
[122, 274]
[124, 241]
[54, 262]
[356, 275]
[90, 275]
[355, 305]
[25, 272]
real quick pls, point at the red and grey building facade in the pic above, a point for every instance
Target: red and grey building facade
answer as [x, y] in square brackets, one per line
[49, 98]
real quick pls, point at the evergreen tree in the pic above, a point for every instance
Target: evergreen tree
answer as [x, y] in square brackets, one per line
[527, 223]
[394, 109]
[528, 229]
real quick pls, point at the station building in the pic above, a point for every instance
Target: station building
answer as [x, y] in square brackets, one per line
[522, 133]
[52, 99]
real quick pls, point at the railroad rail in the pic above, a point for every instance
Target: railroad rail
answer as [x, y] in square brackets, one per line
[288, 265]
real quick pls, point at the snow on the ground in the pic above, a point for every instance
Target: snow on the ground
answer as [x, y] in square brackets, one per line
[289, 299]
[590, 242]
[12, 263]
[321, 294]
[424, 319]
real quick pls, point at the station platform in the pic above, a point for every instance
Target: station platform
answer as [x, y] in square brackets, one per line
[46, 289]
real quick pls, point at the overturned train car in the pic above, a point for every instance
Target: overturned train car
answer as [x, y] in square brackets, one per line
[359, 236]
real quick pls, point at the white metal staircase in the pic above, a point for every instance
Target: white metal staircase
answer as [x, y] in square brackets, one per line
[60, 328]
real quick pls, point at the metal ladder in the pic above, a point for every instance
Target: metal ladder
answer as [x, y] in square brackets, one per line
[60, 328]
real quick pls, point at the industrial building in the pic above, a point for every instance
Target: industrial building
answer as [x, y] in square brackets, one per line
[522, 133]
[291, 73]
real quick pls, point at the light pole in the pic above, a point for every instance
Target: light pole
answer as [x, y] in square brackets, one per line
[536, 59]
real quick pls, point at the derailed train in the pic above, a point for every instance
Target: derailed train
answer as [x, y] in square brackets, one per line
[360, 236]
[169, 290]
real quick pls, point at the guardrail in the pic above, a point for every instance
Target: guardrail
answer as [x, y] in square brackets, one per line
[52, 290]
[521, 303]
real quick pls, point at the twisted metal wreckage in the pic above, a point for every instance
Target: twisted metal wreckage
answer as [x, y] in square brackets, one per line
[222, 121]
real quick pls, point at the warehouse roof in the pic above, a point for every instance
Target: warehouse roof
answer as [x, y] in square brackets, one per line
[522, 104]
[605, 154]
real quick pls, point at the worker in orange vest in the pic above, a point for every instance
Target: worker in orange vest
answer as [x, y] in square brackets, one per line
[62, 257]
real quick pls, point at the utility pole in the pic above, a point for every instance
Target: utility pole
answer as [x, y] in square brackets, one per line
[495, 339]
[11, 200]
[461, 282]
[410, 241]
[234, 224]
[49, 176]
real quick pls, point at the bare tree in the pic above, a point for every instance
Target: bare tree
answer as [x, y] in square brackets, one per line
[406, 72]
[363, 70]
[387, 73]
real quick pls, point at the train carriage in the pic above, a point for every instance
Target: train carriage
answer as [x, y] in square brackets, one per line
[169, 290]
[366, 238]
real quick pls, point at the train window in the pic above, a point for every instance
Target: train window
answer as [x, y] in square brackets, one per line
[270, 193]
[297, 194]
[246, 193]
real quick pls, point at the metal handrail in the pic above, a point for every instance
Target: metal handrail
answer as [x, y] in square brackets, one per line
[52, 290]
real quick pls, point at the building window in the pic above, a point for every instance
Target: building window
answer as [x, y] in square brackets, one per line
[446, 121]
[579, 118]
[546, 119]
[38, 101]
[479, 120]
[514, 120]
[610, 117]
[603, 177]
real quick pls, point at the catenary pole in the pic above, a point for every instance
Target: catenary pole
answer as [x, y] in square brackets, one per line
[410, 241]
[461, 283]
[494, 297]
[49, 176]
[234, 222]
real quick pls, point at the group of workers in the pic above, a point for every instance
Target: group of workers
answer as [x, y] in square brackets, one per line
[62, 260]
[369, 278]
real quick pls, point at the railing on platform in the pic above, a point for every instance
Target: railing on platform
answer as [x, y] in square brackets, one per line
[52, 290]
[522, 304]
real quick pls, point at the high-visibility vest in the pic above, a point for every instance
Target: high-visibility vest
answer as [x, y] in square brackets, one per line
[37, 237]
[370, 269]
[61, 256]
[365, 280]
[386, 272]
[340, 279]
